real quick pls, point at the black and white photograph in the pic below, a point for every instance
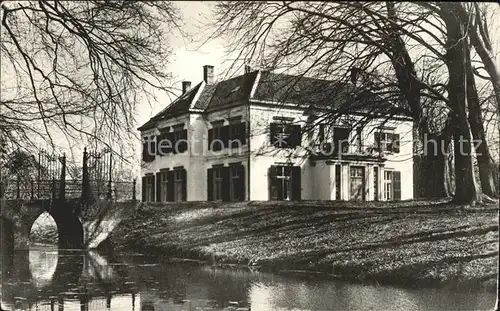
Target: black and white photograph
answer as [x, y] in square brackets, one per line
[249, 155]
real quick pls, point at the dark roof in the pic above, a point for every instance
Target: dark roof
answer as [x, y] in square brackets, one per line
[274, 88]
[233, 90]
[179, 106]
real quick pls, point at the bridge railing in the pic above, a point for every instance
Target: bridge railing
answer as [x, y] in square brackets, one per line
[50, 189]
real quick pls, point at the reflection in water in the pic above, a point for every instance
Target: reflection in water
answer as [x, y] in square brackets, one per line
[42, 265]
[44, 279]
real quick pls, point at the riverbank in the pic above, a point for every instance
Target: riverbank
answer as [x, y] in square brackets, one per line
[408, 242]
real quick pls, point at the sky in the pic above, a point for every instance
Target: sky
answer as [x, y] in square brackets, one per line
[189, 55]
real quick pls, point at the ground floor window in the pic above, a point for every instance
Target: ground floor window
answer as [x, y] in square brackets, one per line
[148, 188]
[180, 184]
[357, 176]
[284, 182]
[392, 185]
[162, 192]
[388, 194]
[226, 183]
[237, 183]
[375, 183]
[338, 181]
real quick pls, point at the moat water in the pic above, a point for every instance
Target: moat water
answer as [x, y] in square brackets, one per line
[47, 279]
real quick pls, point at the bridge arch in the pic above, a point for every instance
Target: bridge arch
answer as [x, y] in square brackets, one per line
[23, 214]
[44, 230]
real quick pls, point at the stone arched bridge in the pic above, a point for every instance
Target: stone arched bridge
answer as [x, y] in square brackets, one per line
[77, 229]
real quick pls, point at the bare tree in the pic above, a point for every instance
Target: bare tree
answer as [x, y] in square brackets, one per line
[78, 69]
[330, 39]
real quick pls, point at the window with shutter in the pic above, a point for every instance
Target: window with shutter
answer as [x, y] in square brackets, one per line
[237, 182]
[338, 181]
[281, 184]
[158, 187]
[225, 183]
[237, 135]
[285, 135]
[182, 144]
[217, 183]
[180, 184]
[387, 141]
[395, 143]
[273, 183]
[143, 186]
[216, 141]
[388, 185]
[148, 188]
[341, 139]
[164, 144]
[296, 183]
[149, 150]
[272, 133]
[295, 137]
[224, 136]
[396, 180]
[170, 186]
[210, 184]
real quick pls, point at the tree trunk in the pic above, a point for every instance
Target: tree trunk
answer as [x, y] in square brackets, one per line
[430, 166]
[466, 191]
[485, 164]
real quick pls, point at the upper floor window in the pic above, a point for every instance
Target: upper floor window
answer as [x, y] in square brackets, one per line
[227, 136]
[341, 139]
[174, 141]
[148, 149]
[285, 135]
[387, 141]
[179, 139]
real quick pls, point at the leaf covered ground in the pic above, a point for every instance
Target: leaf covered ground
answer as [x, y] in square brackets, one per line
[406, 242]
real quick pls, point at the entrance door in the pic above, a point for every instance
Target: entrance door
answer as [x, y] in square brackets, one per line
[357, 183]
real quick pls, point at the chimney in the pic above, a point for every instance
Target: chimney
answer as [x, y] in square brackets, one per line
[186, 86]
[208, 74]
[247, 69]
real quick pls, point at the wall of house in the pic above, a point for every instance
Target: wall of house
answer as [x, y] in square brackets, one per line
[201, 158]
[171, 160]
[403, 161]
[264, 155]
[318, 180]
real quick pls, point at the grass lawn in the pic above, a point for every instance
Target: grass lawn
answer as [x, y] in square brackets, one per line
[412, 242]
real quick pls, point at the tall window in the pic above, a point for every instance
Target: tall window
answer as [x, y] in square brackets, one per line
[236, 183]
[226, 183]
[179, 185]
[341, 139]
[359, 139]
[179, 139]
[388, 190]
[375, 183]
[148, 188]
[218, 179]
[284, 182]
[338, 181]
[163, 187]
[217, 136]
